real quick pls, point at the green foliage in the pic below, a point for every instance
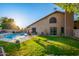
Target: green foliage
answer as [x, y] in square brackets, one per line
[0, 27]
[70, 7]
[27, 48]
[8, 23]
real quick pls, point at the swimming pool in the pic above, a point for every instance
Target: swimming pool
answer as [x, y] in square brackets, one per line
[13, 35]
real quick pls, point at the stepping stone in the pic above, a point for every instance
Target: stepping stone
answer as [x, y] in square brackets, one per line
[2, 51]
[1, 54]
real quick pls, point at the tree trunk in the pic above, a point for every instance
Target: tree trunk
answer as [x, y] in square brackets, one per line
[69, 23]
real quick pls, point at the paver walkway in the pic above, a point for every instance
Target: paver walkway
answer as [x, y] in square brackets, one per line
[2, 51]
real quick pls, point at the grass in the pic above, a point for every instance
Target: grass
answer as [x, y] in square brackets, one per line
[43, 45]
[59, 45]
[29, 48]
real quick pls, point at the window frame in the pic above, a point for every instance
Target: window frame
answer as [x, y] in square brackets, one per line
[33, 29]
[53, 30]
[53, 20]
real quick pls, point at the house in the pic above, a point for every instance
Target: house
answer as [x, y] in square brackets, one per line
[57, 23]
[76, 28]
[76, 24]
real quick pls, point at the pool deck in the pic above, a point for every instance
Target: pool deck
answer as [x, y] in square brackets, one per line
[21, 39]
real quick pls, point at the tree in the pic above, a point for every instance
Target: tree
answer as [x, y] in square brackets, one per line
[8, 23]
[4, 22]
[70, 7]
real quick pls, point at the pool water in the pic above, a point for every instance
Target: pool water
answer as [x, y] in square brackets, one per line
[13, 35]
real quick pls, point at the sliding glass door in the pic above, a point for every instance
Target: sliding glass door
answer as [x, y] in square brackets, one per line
[53, 31]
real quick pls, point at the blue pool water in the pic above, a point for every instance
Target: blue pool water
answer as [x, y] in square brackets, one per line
[13, 35]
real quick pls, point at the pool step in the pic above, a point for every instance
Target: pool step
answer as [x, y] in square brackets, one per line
[2, 51]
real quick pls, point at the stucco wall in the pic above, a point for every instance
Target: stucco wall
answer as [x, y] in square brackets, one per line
[76, 33]
[69, 23]
[44, 25]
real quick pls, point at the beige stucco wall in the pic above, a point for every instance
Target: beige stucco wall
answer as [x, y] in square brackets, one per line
[76, 33]
[69, 23]
[44, 25]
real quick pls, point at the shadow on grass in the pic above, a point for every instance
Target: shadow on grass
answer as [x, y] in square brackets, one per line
[51, 49]
[57, 46]
[65, 40]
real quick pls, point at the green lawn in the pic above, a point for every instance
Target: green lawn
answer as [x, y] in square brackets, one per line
[43, 45]
[29, 48]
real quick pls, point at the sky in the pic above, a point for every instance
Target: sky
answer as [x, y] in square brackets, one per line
[25, 14]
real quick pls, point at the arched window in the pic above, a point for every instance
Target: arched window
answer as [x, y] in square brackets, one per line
[52, 20]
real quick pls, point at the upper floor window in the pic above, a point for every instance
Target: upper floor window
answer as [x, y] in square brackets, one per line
[52, 20]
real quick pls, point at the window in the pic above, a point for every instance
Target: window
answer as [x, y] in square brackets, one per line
[52, 20]
[53, 30]
[33, 30]
[75, 27]
[62, 30]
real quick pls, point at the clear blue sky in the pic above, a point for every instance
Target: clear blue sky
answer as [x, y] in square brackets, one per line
[25, 14]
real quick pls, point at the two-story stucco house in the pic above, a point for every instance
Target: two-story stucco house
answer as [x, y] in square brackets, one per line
[56, 23]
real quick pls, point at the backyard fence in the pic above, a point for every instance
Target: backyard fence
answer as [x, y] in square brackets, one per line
[76, 33]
